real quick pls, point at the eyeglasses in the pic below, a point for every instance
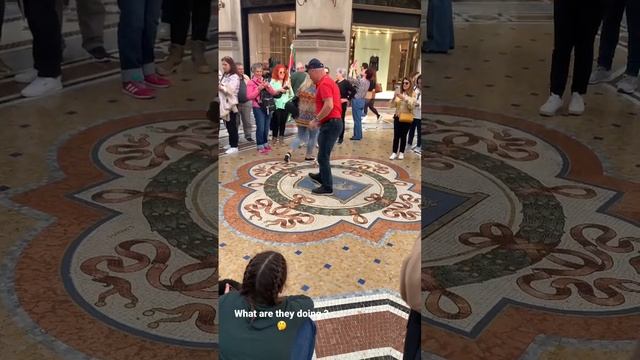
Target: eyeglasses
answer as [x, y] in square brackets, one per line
[282, 72]
[406, 83]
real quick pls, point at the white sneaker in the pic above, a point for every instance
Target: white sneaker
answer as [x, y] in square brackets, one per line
[26, 77]
[231, 151]
[418, 150]
[414, 147]
[401, 156]
[227, 147]
[600, 74]
[393, 156]
[551, 107]
[42, 86]
[576, 107]
[628, 84]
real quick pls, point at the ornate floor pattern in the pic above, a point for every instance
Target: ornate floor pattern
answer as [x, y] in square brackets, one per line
[345, 250]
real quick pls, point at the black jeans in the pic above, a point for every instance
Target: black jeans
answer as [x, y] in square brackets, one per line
[400, 131]
[232, 129]
[327, 137]
[415, 126]
[412, 339]
[344, 113]
[280, 122]
[610, 35]
[166, 11]
[575, 24]
[183, 12]
[369, 105]
[44, 23]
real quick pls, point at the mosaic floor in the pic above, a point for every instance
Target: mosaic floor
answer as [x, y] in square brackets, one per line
[537, 257]
[109, 235]
[345, 250]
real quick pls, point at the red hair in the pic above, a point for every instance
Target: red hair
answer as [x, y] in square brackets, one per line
[276, 71]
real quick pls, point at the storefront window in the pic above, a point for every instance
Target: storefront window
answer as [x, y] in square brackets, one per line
[409, 4]
[270, 37]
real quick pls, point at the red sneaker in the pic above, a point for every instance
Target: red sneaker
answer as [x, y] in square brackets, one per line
[157, 81]
[264, 151]
[268, 147]
[137, 90]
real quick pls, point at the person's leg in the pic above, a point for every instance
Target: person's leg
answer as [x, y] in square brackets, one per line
[282, 125]
[274, 125]
[329, 135]
[585, 33]
[344, 114]
[412, 131]
[419, 135]
[357, 117]
[404, 130]
[259, 115]
[371, 106]
[412, 337]
[564, 13]
[200, 18]
[396, 135]
[1, 17]
[44, 24]
[166, 11]
[232, 127]
[299, 138]
[91, 16]
[180, 19]
[152, 12]
[633, 26]
[130, 32]
[311, 142]
[610, 34]
[247, 126]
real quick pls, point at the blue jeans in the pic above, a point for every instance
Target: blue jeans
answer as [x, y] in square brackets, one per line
[307, 135]
[357, 106]
[440, 26]
[136, 37]
[327, 137]
[611, 34]
[262, 127]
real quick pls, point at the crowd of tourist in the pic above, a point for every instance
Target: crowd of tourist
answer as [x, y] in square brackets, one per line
[137, 28]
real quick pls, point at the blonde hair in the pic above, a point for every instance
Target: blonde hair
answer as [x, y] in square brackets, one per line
[306, 84]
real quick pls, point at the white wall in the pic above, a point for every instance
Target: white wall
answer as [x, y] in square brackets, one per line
[369, 44]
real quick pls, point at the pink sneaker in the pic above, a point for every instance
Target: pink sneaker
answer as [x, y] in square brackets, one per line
[138, 90]
[268, 147]
[264, 151]
[157, 81]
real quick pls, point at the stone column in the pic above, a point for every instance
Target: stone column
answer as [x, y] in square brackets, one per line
[230, 30]
[324, 31]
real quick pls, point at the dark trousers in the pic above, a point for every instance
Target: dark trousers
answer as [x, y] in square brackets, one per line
[136, 37]
[1, 16]
[610, 35]
[232, 129]
[412, 339]
[575, 24]
[344, 113]
[400, 131]
[166, 11]
[440, 33]
[44, 23]
[185, 12]
[370, 105]
[327, 137]
[280, 122]
[415, 126]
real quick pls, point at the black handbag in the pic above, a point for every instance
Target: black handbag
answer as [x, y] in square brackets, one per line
[213, 114]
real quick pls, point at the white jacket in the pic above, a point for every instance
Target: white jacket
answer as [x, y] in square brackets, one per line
[230, 86]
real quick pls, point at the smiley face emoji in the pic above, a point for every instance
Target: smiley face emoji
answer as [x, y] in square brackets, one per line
[282, 325]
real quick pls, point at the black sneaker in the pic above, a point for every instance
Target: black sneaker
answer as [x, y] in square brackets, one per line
[99, 54]
[287, 157]
[315, 177]
[249, 139]
[309, 159]
[322, 190]
[340, 141]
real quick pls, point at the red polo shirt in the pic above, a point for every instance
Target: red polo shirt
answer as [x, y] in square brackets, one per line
[326, 88]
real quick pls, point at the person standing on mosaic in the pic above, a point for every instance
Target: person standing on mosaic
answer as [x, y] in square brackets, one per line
[255, 87]
[306, 93]
[358, 105]
[371, 75]
[404, 101]
[575, 24]
[228, 92]
[609, 38]
[347, 91]
[416, 129]
[185, 12]
[280, 80]
[246, 107]
[329, 119]
[136, 40]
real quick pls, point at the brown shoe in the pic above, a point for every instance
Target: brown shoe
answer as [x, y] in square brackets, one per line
[170, 65]
[197, 55]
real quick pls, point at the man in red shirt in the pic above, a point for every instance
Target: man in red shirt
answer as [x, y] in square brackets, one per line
[328, 118]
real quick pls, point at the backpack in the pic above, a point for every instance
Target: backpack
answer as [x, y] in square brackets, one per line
[242, 93]
[267, 101]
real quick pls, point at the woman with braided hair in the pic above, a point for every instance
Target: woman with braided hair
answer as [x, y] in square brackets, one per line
[245, 334]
